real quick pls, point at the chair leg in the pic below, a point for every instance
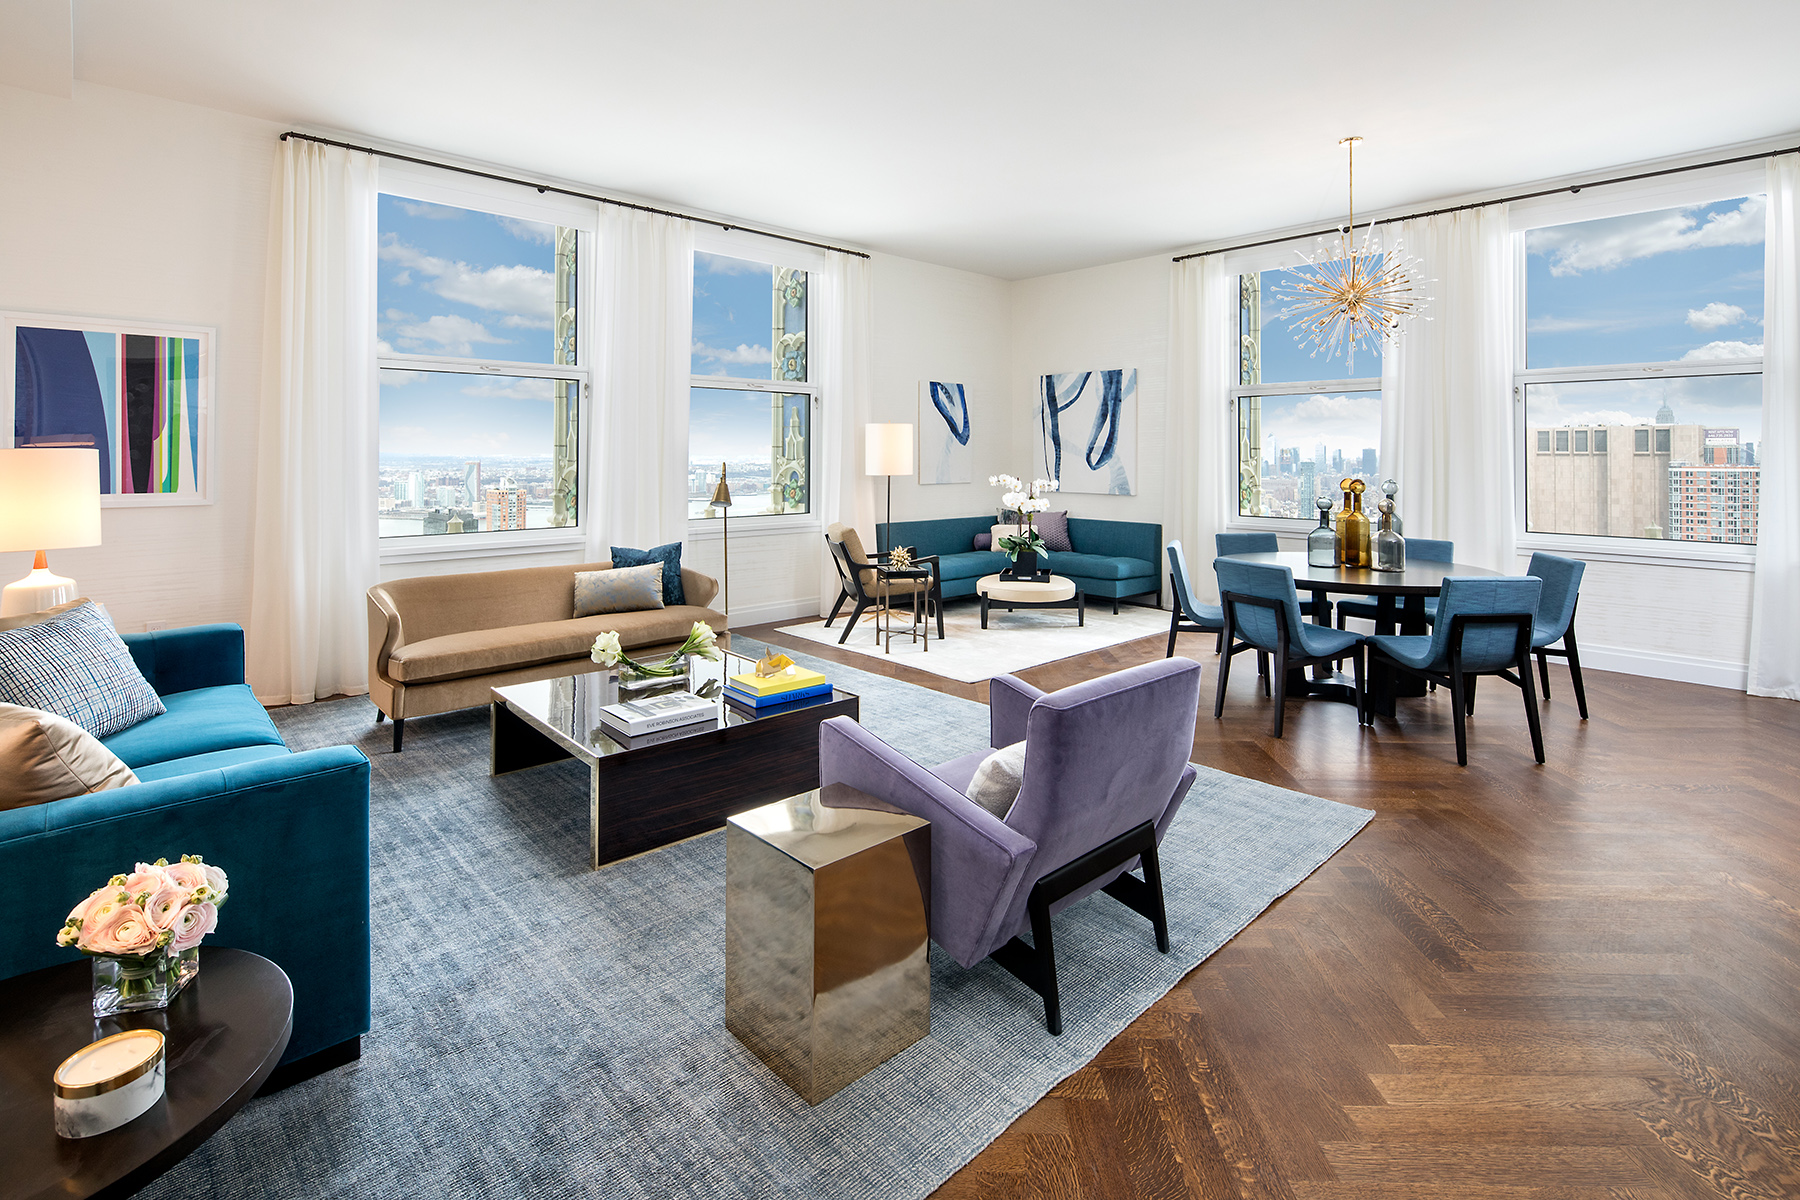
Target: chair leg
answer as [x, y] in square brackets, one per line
[850, 625]
[1280, 674]
[1531, 707]
[1174, 624]
[399, 729]
[1159, 919]
[1575, 670]
[1544, 672]
[1469, 683]
[937, 598]
[1362, 689]
[380, 716]
[1219, 646]
[1224, 674]
[1262, 670]
[837, 608]
[1045, 944]
[1458, 681]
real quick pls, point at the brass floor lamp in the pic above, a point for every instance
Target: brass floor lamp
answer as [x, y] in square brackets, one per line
[721, 500]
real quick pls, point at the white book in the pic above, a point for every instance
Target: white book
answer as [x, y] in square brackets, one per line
[634, 717]
[672, 734]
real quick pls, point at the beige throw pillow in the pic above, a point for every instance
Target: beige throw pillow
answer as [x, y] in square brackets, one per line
[998, 779]
[45, 757]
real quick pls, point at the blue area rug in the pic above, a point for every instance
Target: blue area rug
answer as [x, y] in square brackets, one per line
[543, 1030]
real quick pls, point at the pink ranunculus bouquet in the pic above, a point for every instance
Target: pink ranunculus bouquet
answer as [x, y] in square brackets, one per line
[149, 921]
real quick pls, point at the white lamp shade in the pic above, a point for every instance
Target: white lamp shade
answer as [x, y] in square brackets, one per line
[888, 449]
[49, 499]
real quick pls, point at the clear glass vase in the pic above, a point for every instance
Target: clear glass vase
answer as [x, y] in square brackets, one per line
[129, 982]
[633, 681]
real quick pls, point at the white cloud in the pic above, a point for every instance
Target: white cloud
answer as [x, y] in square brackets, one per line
[1605, 244]
[1716, 315]
[445, 334]
[1323, 410]
[515, 321]
[431, 212]
[1714, 351]
[514, 389]
[719, 264]
[749, 355]
[1602, 416]
[394, 314]
[1552, 324]
[525, 291]
[529, 231]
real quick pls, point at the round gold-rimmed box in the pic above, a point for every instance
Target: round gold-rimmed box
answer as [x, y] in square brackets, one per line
[109, 1082]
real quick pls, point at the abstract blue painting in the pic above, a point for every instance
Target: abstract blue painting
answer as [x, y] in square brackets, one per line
[944, 430]
[1087, 431]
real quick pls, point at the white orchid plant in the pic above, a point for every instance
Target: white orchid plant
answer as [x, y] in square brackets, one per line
[1026, 499]
[701, 642]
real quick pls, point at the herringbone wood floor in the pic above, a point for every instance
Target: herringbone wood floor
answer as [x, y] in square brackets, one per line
[1560, 982]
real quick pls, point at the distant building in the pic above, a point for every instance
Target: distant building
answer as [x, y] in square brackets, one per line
[506, 506]
[1370, 458]
[471, 486]
[1685, 482]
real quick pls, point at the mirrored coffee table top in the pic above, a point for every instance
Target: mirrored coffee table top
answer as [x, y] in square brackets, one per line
[568, 709]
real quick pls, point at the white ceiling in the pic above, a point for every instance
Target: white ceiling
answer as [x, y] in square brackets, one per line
[1011, 138]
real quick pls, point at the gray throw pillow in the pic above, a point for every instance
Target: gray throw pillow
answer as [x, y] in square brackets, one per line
[998, 780]
[44, 757]
[984, 541]
[622, 589]
[75, 666]
[1054, 526]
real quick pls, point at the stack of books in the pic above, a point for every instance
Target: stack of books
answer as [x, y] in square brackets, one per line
[634, 718]
[764, 693]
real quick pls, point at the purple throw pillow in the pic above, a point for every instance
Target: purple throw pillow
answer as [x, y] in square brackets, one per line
[1054, 526]
[984, 541]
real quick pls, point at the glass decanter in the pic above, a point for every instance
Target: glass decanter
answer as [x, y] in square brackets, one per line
[1390, 547]
[1321, 543]
[1390, 488]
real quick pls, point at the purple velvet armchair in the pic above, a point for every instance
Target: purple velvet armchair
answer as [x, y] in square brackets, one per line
[1106, 767]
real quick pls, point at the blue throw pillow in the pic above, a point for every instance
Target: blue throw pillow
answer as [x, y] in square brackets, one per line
[75, 666]
[670, 558]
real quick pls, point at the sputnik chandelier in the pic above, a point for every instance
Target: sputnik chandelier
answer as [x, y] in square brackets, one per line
[1342, 296]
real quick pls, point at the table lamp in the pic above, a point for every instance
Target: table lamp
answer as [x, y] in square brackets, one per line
[721, 500]
[888, 450]
[49, 500]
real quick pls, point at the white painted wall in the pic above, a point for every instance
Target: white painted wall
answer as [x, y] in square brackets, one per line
[119, 204]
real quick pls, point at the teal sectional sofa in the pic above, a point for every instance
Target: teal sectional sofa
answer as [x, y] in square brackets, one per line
[215, 779]
[1112, 560]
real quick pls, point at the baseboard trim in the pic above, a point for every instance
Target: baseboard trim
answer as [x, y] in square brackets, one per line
[1681, 668]
[743, 615]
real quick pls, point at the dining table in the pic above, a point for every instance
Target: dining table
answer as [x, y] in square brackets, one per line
[1399, 608]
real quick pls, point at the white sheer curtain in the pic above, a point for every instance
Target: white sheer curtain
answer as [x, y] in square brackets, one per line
[315, 552]
[1447, 382]
[638, 440]
[844, 356]
[1774, 611]
[1202, 364]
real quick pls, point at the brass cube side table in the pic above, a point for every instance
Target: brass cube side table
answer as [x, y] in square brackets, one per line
[827, 973]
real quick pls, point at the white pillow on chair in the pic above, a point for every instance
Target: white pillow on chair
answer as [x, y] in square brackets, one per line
[998, 779]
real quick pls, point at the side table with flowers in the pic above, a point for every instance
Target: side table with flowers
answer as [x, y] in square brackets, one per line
[143, 931]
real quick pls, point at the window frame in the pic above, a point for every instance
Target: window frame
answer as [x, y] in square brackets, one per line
[1257, 261]
[1698, 187]
[510, 200]
[738, 243]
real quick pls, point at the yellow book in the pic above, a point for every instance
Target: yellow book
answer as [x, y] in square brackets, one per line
[782, 681]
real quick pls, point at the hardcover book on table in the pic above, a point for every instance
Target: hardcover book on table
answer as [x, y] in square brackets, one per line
[773, 698]
[788, 680]
[634, 717]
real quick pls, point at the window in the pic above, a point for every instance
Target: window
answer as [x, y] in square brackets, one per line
[751, 406]
[1300, 432]
[1648, 324]
[481, 371]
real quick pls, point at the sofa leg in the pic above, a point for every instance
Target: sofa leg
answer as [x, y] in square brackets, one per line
[399, 728]
[1115, 606]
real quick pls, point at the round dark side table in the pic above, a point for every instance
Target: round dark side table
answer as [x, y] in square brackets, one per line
[225, 1033]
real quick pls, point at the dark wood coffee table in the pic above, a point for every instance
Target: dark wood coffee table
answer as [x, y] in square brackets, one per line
[226, 1031]
[647, 792]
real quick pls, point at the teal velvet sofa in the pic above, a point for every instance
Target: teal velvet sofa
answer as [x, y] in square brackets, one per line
[1112, 560]
[215, 779]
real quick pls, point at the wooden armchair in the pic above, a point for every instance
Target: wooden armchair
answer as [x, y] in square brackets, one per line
[858, 582]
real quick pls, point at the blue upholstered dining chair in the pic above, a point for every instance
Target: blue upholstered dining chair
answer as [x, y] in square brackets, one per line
[1556, 619]
[1417, 550]
[1265, 543]
[1104, 770]
[1189, 615]
[1262, 613]
[1483, 627]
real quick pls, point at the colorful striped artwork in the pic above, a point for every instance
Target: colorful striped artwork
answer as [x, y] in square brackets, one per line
[139, 398]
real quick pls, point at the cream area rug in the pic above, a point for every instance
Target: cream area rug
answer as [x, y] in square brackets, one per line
[1011, 642]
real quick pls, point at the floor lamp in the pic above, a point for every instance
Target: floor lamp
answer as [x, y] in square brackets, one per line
[721, 500]
[49, 500]
[888, 450]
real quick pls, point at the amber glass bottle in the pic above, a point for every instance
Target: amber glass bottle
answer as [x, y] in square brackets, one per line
[1342, 523]
[1356, 528]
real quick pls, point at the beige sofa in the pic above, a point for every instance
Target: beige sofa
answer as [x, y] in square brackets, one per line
[440, 642]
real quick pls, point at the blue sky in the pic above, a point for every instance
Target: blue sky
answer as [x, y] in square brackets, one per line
[731, 316]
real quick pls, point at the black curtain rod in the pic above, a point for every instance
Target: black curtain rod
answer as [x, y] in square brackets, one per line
[1437, 212]
[550, 187]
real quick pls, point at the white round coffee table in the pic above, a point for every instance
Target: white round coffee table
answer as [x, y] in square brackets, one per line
[1055, 592]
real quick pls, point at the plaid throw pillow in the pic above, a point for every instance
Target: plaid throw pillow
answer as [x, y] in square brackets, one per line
[76, 667]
